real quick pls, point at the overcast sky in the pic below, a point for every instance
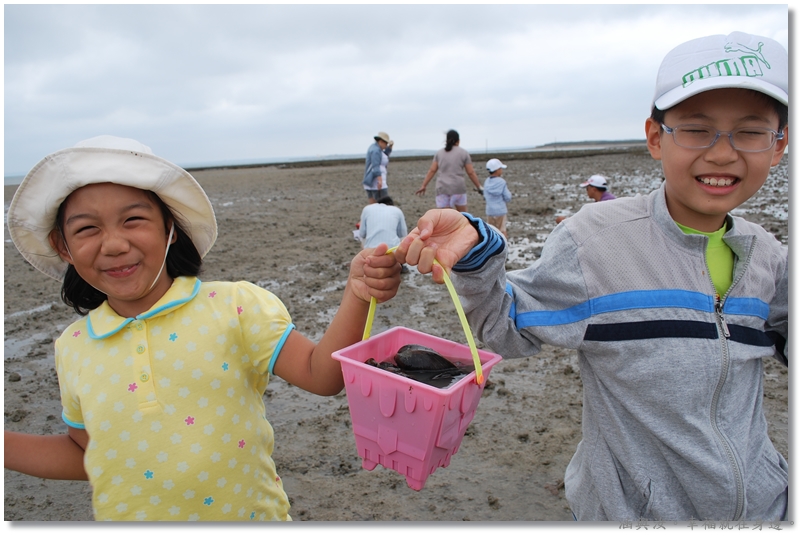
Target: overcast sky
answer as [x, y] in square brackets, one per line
[201, 84]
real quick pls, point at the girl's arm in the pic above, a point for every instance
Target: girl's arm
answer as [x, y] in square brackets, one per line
[430, 173]
[59, 456]
[310, 366]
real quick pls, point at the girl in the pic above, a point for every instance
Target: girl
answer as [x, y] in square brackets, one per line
[162, 379]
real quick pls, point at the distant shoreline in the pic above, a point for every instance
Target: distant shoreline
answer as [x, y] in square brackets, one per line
[546, 151]
[549, 151]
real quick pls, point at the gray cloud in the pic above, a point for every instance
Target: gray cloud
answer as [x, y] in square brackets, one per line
[203, 83]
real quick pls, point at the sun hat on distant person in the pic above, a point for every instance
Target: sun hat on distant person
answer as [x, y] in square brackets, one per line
[737, 60]
[597, 181]
[103, 159]
[384, 137]
[494, 164]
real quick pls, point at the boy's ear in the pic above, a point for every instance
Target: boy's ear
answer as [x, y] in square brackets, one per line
[779, 147]
[653, 133]
[57, 243]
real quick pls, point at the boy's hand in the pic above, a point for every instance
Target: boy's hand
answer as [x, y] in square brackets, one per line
[374, 273]
[442, 234]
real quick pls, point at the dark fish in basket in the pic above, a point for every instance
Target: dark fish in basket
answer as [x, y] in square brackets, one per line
[420, 358]
[425, 365]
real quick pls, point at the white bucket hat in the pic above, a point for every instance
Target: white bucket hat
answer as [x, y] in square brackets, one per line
[103, 159]
[737, 60]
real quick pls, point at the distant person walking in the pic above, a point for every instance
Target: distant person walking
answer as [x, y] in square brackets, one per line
[375, 178]
[597, 188]
[451, 162]
[497, 195]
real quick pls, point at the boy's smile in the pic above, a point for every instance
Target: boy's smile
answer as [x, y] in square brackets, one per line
[116, 241]
[705, 184]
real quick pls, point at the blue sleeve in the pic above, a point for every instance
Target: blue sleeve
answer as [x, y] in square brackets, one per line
[491, 243]
[376, 160]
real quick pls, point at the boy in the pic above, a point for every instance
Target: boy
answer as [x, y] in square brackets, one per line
[497, 195]
[670, 358]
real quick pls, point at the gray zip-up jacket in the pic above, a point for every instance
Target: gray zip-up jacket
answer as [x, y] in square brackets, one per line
[673, 427]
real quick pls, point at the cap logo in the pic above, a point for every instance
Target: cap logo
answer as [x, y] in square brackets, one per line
[748, 65]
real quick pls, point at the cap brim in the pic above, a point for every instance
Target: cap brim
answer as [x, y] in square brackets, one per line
[678, 94]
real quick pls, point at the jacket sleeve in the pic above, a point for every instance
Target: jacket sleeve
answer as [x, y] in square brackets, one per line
[777, 318]
[514, 313]
[376, 160]
[507, 194]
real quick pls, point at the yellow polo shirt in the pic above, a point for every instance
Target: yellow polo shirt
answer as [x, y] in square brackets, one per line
[172, 403]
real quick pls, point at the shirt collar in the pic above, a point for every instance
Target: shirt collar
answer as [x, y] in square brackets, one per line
[103, 321]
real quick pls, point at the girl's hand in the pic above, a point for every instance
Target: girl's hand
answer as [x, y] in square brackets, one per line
[375, 273]
[442, 234]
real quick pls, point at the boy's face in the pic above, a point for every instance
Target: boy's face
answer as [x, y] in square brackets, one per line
[690, 201]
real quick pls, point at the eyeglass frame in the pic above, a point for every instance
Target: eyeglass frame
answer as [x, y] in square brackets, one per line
[672, 131]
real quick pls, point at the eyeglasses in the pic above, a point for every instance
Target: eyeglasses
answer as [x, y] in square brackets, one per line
[749, 139]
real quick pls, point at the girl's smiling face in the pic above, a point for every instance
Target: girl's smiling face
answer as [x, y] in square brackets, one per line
[116, 238]
[705, 184]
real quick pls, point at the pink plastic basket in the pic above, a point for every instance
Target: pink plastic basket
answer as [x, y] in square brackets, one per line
[402, 424]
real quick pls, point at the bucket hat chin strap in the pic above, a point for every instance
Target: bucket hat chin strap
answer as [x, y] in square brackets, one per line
[164, 260]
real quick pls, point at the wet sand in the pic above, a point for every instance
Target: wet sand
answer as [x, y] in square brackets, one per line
[289, 230]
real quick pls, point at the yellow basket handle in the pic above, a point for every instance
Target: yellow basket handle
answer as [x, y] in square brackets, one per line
[456, 301]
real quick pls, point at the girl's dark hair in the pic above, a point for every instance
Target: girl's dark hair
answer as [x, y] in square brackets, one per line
[452, 139]
[183, 259]
[778, 107]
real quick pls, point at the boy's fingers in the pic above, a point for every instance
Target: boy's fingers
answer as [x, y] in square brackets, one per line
[414, 251]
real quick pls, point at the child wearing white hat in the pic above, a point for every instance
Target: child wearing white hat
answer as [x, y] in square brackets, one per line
[495, 190]
[671, 301]
[162, 378]
[597, 189]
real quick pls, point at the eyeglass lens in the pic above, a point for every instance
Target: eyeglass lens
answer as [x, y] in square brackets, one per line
[700, 136]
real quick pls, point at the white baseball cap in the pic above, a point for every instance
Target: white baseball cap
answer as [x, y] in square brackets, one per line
[737, 60]
[103, 159]
[596, 180]
[494, 164]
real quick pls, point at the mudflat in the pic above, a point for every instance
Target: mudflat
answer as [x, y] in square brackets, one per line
[289, 229]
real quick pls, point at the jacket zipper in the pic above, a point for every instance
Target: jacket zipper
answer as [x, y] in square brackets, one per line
[724, 369]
